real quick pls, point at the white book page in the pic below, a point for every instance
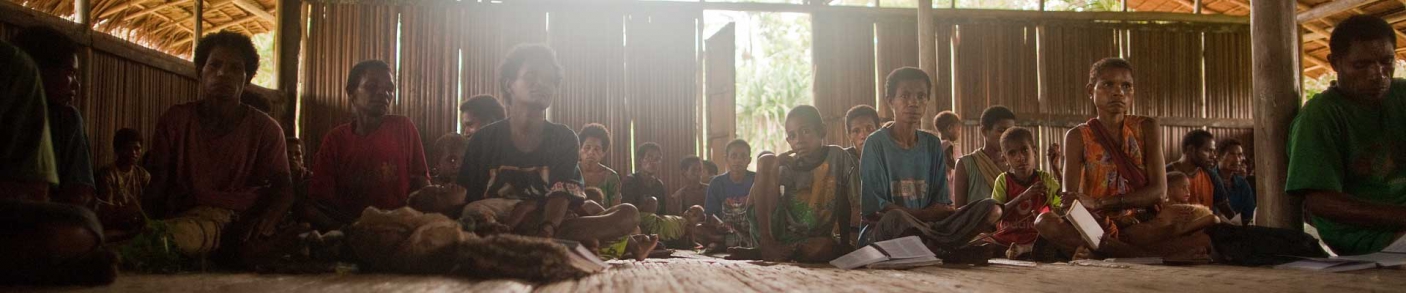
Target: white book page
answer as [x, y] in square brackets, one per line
[1086, 224]
[858, 258]
[906, 247]
[906, 263]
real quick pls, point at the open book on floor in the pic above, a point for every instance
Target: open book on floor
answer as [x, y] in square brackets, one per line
[900, 253]
[581, 257]
[1392, 255]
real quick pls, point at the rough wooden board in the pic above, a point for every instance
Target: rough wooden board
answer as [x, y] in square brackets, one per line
[691, 273]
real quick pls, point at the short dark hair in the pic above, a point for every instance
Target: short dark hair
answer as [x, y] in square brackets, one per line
[1356, 29]
[861, 111]
[597, 131]
[48, 47]
[360, 69]
[995, 114]
[484, 107]
[1018, 133]
[1173, 176]
[124, 137]
[902, 74]
[508, 70]
[945, 119]
[1105, 64]
[448, 141]
[689, 162]
[810, 116]
[230, 40]
[739, 143]
[1224, 146]
[1196, 138]
[710, 166]
[644, 148]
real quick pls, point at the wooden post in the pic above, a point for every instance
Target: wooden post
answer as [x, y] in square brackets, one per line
[927, 50]
[84, 10]
[199, 25]
[1197, 8]
[1274, 45]
[288, 46]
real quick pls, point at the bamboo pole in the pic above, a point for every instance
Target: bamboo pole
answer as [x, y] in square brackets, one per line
[199, 19]
[288, 45]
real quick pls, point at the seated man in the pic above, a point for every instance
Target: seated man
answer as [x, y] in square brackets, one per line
[374, 160]
[1025, 192]
[974, 173]
[860, 122]
[595, 144]
[645, 182]
[1198, 163]
[1345, 146]
[448, 157]
[1121, 183]
[56, 56]
[477, 112]
[903, 185]
[727, 194]
[530, 161]
[694, 192]
[1241, 193]
[120, 185]
[219, 168]
[801, 202]
[40, 242]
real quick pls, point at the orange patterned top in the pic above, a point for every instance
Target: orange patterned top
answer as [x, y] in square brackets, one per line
[1101, 178]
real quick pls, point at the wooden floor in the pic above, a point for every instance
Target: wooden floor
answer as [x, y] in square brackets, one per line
[693, 273]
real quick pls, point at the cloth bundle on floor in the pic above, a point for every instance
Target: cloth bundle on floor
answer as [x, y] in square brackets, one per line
[408, 241]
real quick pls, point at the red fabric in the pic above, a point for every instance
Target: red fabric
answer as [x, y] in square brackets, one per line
[1019, 225]
[223, 171]
[1203, 192]
[352, 172]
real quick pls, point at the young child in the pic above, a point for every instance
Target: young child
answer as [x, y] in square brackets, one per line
[1024, 190]
[710, 170]
[727, 194]
[1178, 188]
[645, 182]
[801, 205]
[448, 154]
[595, 144]
[120, 188]
[673, 231]
[694, 190]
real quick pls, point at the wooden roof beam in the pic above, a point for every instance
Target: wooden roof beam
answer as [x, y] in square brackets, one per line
[234, 23]
[150, 10]
[255, 9]
[1328, 9]
[121, 8]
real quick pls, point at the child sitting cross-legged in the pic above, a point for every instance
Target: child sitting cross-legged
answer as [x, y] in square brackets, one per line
[1025, 192]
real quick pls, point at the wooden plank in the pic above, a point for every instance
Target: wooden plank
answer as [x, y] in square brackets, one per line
[289, 31]
[1328, 9]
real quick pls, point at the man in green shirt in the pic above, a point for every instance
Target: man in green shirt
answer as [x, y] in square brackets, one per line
[1347, 147]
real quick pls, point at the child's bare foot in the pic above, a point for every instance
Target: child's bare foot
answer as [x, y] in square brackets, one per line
[743, 253]
[641, 245]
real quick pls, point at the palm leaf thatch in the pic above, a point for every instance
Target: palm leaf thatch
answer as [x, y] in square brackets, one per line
[166, 25]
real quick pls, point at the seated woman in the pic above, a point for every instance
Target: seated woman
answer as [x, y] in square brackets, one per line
[1113, 167]
[530, 164]
[801, 201]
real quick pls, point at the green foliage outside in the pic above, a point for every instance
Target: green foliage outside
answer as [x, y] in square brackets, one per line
[774, 72]
[266, 77]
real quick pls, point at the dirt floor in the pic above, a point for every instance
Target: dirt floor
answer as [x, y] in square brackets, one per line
[694, 273]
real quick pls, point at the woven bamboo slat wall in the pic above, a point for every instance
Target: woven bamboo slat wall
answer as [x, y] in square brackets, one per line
[1167, 66]
[661, 68]
[848, 78]
[339, 35]
[591, 49]
[1228, 75]
[996, 65]
[429, 71]
[1068, 50]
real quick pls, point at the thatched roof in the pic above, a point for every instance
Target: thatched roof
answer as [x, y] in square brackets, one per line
[167, 25]
[1316, 18]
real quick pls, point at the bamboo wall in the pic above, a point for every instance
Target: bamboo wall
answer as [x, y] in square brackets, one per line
[1039, 68]
[633, 70]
